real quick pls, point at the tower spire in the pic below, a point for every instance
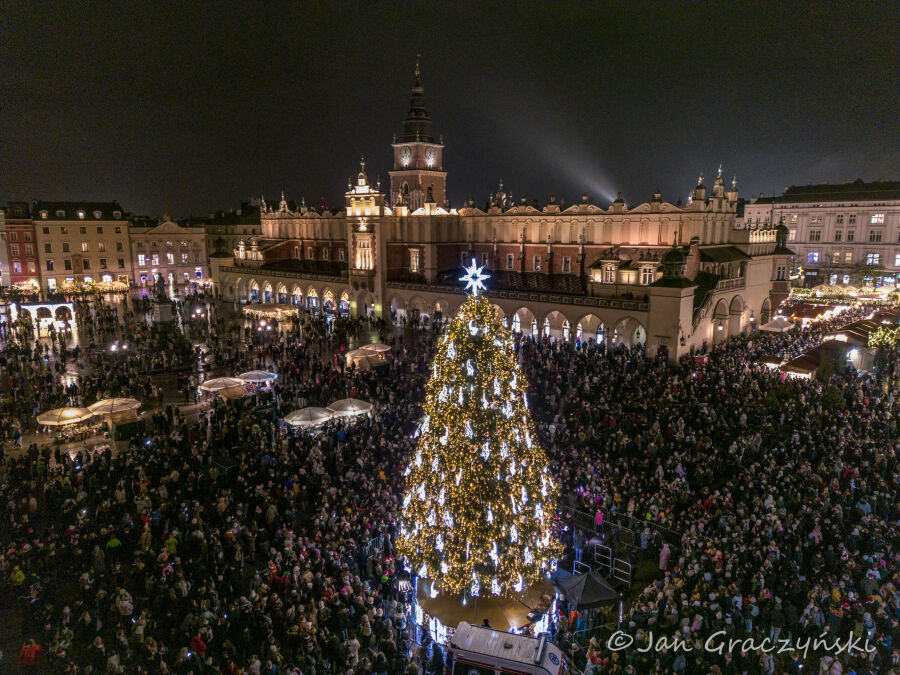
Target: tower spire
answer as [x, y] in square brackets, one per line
[418, 72]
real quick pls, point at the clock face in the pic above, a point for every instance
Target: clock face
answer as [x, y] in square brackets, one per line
[405, 154]
[429, 155]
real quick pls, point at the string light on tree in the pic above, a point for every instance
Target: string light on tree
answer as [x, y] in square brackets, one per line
[486, 536]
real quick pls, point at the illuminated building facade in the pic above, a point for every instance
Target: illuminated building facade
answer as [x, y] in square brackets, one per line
[842, 234]
[176, 253]
[22, 269]
[81, 243]
[654, 273]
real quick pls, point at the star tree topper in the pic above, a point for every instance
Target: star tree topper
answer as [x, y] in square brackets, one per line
[474, 278]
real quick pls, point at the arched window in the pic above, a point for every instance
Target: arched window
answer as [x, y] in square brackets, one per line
[601, 333]
[516, 323]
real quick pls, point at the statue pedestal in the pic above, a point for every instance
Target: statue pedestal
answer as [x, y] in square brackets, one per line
[163, 312]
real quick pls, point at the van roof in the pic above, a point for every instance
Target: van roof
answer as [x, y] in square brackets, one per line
[508, 646]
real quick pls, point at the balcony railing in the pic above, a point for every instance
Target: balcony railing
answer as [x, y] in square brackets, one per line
[731, 284]
[529, 296]
[280, 274]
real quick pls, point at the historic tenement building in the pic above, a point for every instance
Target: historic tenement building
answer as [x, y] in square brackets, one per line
[81, 243]
[168, 250]
[655, 273]
[842, 234]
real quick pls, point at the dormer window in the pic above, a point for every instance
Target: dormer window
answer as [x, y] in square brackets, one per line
[117, 214]
[44, 215]
[81, 215]
[98, 215]
[60, 214]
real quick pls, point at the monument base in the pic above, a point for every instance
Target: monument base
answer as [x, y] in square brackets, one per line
[502, 612]
[163, 312]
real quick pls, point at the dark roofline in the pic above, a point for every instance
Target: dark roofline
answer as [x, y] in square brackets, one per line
[858, 190]
[71, 209]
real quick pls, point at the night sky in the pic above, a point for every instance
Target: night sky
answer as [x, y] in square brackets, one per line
[188, 108]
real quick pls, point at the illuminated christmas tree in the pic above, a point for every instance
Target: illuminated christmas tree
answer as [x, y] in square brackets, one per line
[479, 499]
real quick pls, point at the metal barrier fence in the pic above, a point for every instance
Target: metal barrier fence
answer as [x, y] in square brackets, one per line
[622, 529]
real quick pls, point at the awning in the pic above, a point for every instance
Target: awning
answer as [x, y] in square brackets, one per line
[722, 254]
[586, 591]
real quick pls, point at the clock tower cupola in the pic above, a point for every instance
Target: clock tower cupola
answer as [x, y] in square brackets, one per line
[418, 159]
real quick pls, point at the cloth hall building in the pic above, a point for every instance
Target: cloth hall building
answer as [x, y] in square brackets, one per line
[656, 273]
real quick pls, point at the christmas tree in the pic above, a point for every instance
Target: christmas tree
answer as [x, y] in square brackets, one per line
[479, 498]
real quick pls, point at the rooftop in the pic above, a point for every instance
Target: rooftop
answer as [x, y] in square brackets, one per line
[70, 210]
[858, 190]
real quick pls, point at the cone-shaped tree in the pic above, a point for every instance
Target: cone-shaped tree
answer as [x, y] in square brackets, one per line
[479, 499]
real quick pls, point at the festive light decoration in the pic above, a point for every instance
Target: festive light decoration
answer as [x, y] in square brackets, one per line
[485, 538]
[884, 337]
[474, 279]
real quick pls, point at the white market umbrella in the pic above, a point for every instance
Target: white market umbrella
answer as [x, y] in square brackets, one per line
[218, 383]
[349, 407]
[779, 324]
[362, 359]
[60, 417]
[377, 348]
[311, 416]
[257, 376]
[112, 406]
[228, 393]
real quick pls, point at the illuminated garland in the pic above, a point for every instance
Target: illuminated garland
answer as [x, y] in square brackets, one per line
[479, 499]
[884, 337]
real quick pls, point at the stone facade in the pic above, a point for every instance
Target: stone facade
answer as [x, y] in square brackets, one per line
[576, 272]
[81, 242]
[176, 253]
[842, 234]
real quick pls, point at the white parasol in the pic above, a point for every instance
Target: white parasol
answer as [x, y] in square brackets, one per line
[112, 406]
[60, 417]
[377, 348]
[218, 383]
[349, 407]
[257, 376]
[311, 416]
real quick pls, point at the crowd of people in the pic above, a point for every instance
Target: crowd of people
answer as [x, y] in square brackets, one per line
[232, 543]
[784, 492]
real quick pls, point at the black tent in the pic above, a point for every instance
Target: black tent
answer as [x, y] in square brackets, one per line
[586, 591]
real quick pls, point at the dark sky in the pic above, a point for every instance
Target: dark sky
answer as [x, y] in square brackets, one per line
[193, 107]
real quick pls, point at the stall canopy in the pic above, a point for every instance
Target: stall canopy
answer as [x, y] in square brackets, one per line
[60, 417]
[218, 383]
[272, 311]
[257, 376]
[586, 591]
[348, 407]
[808, 363]
[114, 406]
[308, 417]
[228, 393]
[857, 333]
[779, 324]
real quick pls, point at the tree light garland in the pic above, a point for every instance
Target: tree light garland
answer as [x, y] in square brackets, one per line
[484, 536]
